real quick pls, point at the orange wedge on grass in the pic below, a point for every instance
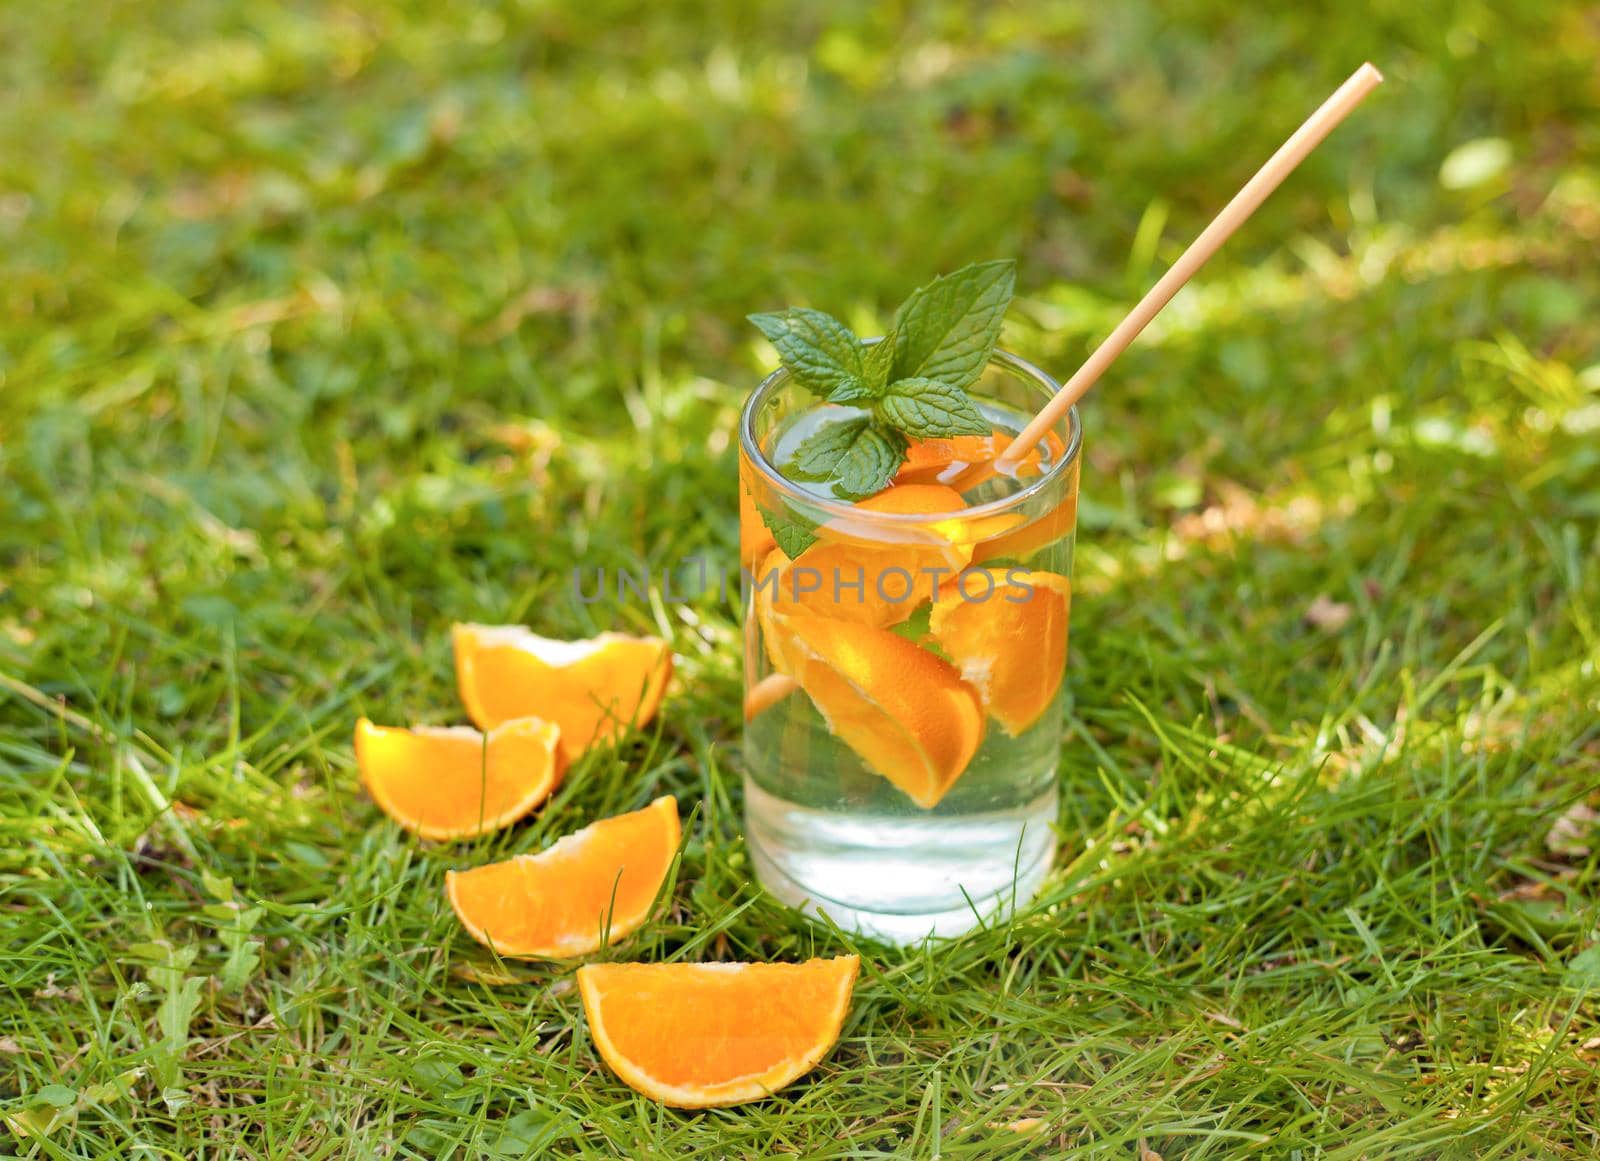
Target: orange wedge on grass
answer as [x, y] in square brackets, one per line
[905, 712]
[594, 689]
[708, 1035]
[453, 782]
[1008, 637]
[589, 889]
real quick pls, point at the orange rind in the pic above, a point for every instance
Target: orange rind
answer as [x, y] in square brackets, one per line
[1008, 637]
[595, 689]
[454, 782]
[710, 1035]
[906, 713]
[588, 890]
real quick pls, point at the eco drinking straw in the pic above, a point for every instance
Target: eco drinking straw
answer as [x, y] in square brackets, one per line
[1290, 154]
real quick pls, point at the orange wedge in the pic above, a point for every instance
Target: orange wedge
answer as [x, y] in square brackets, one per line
[955, 538]
[906, 713]
[910, 500]
[870, 572]
[938, 461]
[755, 539]
[709, 1035]
[929, 459]
[590, 888]
[453, 782]
[869, 586]
[1019, 543]
[594, 689]
[1008, 635]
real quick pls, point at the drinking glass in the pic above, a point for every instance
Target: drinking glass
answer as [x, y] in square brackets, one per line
[904, 660]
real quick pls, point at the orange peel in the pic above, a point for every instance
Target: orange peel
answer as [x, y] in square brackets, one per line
[710, 1035]
[1008, 636]
[589, 889]
[453, 782]
[595, 689]
[906, 713]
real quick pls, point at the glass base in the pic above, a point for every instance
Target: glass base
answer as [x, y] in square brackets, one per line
[906, 879]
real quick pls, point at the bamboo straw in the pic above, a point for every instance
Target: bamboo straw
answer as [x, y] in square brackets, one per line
[1282, 163]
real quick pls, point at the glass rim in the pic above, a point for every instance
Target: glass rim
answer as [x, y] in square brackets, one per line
[751, 449]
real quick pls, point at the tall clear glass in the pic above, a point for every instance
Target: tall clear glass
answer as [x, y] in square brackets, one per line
[905, 659]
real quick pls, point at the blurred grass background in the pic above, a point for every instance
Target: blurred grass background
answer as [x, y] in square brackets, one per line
[322, 326]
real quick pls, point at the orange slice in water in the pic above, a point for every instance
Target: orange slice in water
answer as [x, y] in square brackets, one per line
[873, 572]
[592, 887]
[755, 539]
[1019, 543]
[869, 586]
[953, 538]
[708, 1035]
[594, 689]
[939, 461]
[906, 713]
[453, 782]
[929, 459]
[1009, 638]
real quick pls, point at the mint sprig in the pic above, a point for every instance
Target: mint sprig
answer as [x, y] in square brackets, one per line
[948, 329]
[854, 456]
[912, 384]
[820, 351]
[931, 408]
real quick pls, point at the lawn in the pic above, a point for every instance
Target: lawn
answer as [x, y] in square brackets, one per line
[322, 327]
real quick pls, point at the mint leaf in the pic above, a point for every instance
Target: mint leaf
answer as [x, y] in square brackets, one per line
[852, 391]
[948, 329]
[912, 383]
[857, 457]
[819, 350]
[793, 533]
[817, 454]
[930, 409]
[869, 465]
[875, 361]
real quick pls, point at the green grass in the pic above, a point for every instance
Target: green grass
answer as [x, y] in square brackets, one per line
[324, 326]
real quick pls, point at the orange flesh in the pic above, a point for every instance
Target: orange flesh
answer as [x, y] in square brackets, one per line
[938, 461]
[593, 689]
[928, 459]
[906, 713]
[824, 581]
[457, 783]
[755, 540]
[1012, 646]
[896, 577]
[1022, 542]
[710, 1035]
[556, 904]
